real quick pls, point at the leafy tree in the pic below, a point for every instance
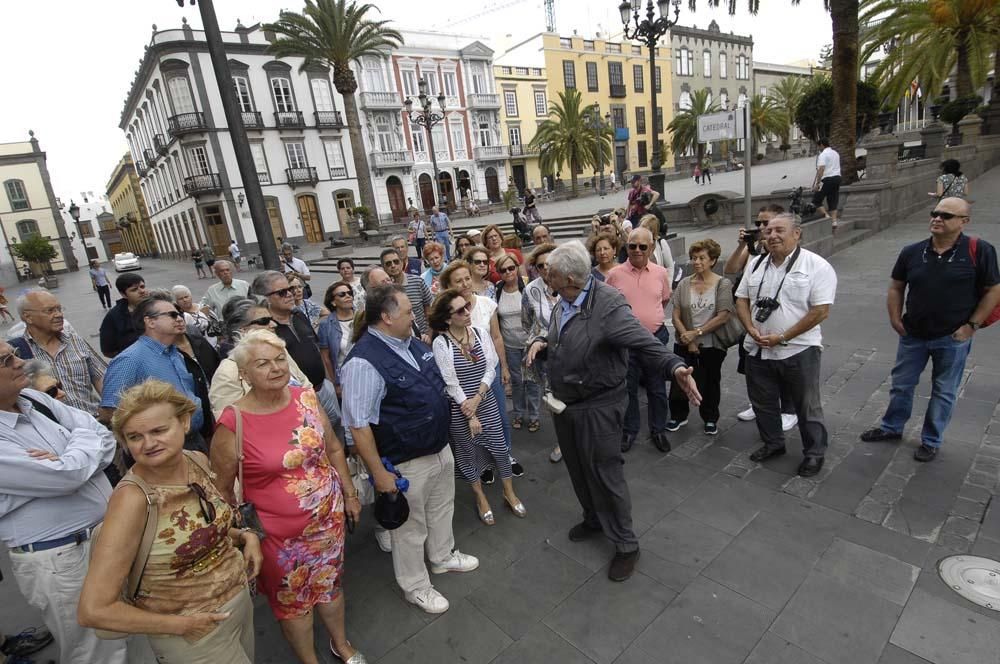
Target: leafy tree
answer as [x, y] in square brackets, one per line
[36, 250]
[334, 33]
[787, 94]
[568, 137]
[766, 119]
[815, 109]
[932, 38]
[684, 126]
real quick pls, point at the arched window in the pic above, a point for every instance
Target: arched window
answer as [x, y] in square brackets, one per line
[722, 65]
[17, 195]
[281, 88]
[707, 60]
[685, 102]
[26, 228]
[180, 94]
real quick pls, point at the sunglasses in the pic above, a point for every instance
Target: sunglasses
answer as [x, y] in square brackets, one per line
[207, 508]
[5, 360]
[263, 321]
[466, 308]
[173, 314]
[54, 390]
[946, 216]
[509, 268]
[284, 292]
[343, 293]
[394, 261]
[632, 246]
[480, 261]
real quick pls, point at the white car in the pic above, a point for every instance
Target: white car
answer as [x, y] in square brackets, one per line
[126, 261]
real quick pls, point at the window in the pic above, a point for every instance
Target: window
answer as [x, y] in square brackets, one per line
[541, 105]
[86, 229]
[707, 64]
[450, 83]
[616, 78]
[484, 130]
[243, 93]
[657, 80]
[409, 77]
[457, 135]
[419, 138]
[722, 65]
[569, 74]
[741, 100]
[16, 194]
[521, 71]
[643, 159]
[684, 103]
[296, 153]
[335, 159]
[724, 101]
[433, 85]
[510, 103]
[260, 163]
[480, 81]
[763, 91]
[440, 141]
[684, 61]
[742, 67]
[514, 134]
[322, 95]
[640, 120]
[281, 88]
[618, 117]
[659, 120]
[27, 228]
[198, 160]
[566, 42]
[386, 139]
[613, 48]
[588, 45]
[372, 75]
[591, 77]
[637, 78]
[505, 70]
[180, 94]
[636, 50]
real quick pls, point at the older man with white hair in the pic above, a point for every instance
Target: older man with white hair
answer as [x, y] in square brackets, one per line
[591, 333]
[226, 289]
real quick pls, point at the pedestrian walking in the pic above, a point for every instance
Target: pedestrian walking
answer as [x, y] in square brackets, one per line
[441, 227]
[209, 255]
[199, 263]
[234, 254]
[706, 169]
[952, 183]
[827, 181]
[99, 280]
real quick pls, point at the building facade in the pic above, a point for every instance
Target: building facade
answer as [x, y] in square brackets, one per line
[28, 205]
[766, 76]
[523, 106]
[467, 144]
[129, 228]
[176, 130]
[85, 233]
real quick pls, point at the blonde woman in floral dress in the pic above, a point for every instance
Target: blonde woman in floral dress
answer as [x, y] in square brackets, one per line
[292, 469]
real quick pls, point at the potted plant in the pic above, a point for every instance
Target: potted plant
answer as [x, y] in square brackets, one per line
[37, 251]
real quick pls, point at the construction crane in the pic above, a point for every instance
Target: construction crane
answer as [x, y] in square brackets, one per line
[550, 15]
[489, 10]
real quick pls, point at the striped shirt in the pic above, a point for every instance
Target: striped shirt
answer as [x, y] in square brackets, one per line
[77, 366]
[363, 387]
[420, 297]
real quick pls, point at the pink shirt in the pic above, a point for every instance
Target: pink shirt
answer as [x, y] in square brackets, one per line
[646, 291]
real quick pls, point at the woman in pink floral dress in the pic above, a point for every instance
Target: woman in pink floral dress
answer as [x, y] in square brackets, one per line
[292, 469]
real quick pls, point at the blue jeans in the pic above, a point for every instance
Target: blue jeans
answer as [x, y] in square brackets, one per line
[442, 237]
[947, 358]
[525, 392]
[500, 395]
[656, 392]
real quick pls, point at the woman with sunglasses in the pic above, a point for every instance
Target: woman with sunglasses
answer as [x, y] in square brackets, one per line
[42, 377]
[336, 331]
[493, 240]
[313, 311]
[193, 600]
[478, 258]
[467, 359]
[462, 245]
[295, 474]
[510, 315]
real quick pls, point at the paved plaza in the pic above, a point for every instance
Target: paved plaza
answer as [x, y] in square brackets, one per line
[741, 563]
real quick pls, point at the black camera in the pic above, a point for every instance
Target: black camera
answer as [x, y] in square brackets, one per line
[797, 206]
[605, 219]
[645, 198]
[765, 307]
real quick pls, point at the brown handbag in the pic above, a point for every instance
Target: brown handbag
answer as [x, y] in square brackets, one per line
[245, 510]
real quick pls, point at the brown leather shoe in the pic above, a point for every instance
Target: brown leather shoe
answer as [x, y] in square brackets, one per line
[623, 565]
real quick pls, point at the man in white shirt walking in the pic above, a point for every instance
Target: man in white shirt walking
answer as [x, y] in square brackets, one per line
[827, 182]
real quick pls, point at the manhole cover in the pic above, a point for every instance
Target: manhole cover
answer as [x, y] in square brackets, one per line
[974, 578]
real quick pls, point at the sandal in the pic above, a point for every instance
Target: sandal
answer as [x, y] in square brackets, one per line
[356, 658]
[516, 423]
[534, 425]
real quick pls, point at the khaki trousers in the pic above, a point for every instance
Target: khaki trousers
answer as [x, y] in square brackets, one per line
[431, 497]
[229, 643]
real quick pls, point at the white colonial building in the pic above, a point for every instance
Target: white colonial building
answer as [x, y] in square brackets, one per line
[177, 133]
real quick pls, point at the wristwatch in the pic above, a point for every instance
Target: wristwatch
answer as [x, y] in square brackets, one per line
[975, 326]
[699, 331]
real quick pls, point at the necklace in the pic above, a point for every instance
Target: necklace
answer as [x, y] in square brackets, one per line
[465, 345]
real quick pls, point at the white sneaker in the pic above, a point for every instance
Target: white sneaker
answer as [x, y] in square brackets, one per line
[428, 599]
[747, 415]
[456, 562]
[384, 539]
[789, 422]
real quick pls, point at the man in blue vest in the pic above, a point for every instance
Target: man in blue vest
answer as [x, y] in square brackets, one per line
[396, 409]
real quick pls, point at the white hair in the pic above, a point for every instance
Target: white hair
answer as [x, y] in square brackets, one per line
[243, 351]
[180, 291]
[571, 259]
[22, 299]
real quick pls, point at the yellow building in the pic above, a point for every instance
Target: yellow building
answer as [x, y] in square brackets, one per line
[523, 106]
[613, 74]
[129, 227]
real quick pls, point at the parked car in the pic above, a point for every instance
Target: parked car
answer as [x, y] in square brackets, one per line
[126, 261]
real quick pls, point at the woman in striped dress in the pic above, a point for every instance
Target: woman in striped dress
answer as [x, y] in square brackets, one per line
[467, 360]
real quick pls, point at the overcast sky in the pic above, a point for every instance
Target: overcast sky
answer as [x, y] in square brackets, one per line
[69, 63]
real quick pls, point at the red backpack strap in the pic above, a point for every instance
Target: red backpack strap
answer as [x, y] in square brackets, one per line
[973, 246]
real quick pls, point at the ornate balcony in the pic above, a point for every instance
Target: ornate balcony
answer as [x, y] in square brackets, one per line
[480, 100]
[150, 157]
[329, 120]
[186, 123]
[523, 151]
[252, 120]
[618, 91]
[401, 159]
[140, 168]
[196, 185]
[338, 172]
[492, 153]
[160, 142]
[381, 100]
[302, 175]
[289, 120]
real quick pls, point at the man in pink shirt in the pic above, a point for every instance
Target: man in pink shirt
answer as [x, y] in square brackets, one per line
[646, 287]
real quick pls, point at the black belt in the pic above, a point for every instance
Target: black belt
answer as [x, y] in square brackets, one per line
[78, 538]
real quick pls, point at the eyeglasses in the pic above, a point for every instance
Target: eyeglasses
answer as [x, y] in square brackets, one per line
[947, 216]
[466, 308]
[284, 292]
[54, 390]
[51, 311]
[207, 508]
[343, 293]
[5, 359]
[392, 261]
[173, 314]
[632, 246]
[263, 321]
[480, 261]
[509, 268]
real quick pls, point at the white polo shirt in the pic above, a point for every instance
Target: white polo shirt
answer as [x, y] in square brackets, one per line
[811, 282]
[829, 159]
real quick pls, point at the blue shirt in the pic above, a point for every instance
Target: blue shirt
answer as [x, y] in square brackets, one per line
[99, 276]
[439, 222]
[148, 358]
[363, 386]
[570, 309]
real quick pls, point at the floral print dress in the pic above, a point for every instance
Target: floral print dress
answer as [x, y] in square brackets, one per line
[298, 497]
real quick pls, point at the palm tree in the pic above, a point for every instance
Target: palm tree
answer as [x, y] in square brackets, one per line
[334, 33]
[931, 38]
[569, 137]
[766, 119]
[684, 126]
[787, 93]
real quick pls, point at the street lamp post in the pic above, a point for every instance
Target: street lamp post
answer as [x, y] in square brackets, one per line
[649, 31]
[426, 118]
[74, 212]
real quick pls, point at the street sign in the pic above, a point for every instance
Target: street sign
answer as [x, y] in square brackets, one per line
[727, 125]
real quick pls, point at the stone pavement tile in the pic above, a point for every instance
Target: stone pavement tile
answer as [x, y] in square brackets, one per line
[681, 539]
[897, 545]
[930, 583]
[725, 503]
[853, 477]
[945, 634]
[896, 655]
[594, 553]
[837, 622]
[917, 520]
[462, 634]
[991, 522]
[714, 457]
[815, 522]
[773, 649]
[673, 575]
[981, 386]
[853, 564]
[650, 503]
[970, 419]
[706, 623]
[938, 482]
[636, 655]
[519, 596]
[680, 476]
[986, 547]
[767, 478]
[603, 617]
[541, 646]
[378, 619]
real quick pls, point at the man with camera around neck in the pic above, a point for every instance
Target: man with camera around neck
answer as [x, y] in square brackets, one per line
[781, 305]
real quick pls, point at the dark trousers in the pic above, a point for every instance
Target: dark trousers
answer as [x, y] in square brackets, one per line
[787, 407]
[707, 366]
[800, 374]
[656, 392]
[104, 292]
[590, 440]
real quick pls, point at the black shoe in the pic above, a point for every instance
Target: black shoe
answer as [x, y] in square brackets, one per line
[763, 453]
[622, 565]
[516, 469]
[487, 477]
[711, 429]
[628, 440]
[661, 442]
[27, 642]
[878, 435]
[925, 453]
[810, 466]
[582, 531]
